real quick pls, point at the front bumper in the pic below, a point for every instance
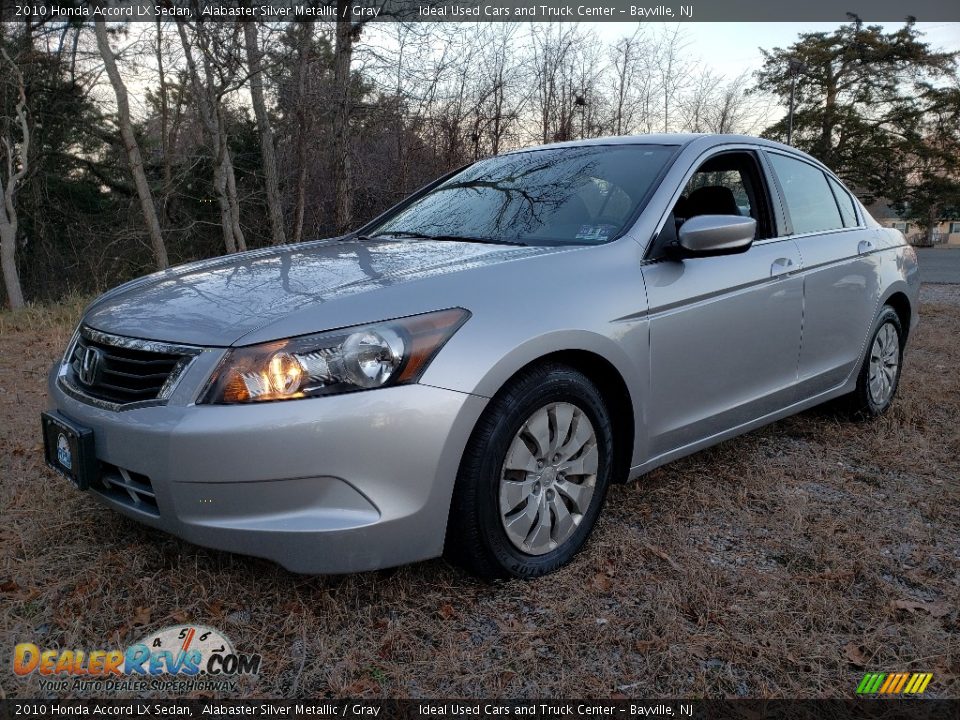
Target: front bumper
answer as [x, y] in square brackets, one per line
[327, 485]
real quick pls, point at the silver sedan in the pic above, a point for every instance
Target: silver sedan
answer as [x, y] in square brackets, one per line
[470, 371]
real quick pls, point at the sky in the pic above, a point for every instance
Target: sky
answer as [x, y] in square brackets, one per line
[728, 49]
[731, 48]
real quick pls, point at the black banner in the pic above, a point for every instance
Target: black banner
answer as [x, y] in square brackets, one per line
[913, 709]
[480, 10]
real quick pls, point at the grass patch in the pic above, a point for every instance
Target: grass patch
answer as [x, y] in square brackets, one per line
[782, 564]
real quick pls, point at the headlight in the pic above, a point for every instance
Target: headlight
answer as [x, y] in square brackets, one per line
[357, 358]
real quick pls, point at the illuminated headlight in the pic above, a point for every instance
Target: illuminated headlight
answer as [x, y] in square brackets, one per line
[357, 358]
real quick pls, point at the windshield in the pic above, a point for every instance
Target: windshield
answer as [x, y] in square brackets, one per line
[575, 195]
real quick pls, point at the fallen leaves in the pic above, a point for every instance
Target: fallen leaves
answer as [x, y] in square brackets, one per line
[934, 609]
[701, 652]
[732, 619]
[663, 556]
[446, 611]
[854, 653]
[361, 687]
[602, 582]
[141, 616]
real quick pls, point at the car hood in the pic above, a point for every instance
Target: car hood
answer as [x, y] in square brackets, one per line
[327, 284]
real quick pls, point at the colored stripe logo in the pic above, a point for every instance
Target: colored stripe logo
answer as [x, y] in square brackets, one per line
[894, 683]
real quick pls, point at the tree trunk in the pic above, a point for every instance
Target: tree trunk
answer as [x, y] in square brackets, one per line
[301, 186]
[210, 115]
[134, 160]
[232, 199]
[8, 256]
[343, 57]
[226, 212]
[164, 127]
[824, 145]
[266, 134]
[14, 176]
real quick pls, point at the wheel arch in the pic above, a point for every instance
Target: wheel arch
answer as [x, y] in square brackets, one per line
[613, 389]
[900, 303]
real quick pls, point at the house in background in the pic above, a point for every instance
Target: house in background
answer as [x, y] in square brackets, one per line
[945, 233]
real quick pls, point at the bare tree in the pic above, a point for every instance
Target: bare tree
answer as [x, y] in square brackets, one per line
[170, 118]
[209, 94]
[551, 47]
[134, 159]
[673, 68]
[164, 117]
[17, 166]
[624, 59]
[504, 72]
[588, 100]
[698, 106]
[730, 111]
[302, 141]
[266, 133]
[346, 34]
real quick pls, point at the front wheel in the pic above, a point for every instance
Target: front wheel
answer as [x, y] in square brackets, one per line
[533, 477]
[880, 373]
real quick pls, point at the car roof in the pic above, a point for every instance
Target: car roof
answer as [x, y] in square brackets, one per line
[674, 139]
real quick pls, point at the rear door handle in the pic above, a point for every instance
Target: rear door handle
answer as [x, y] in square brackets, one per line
[864, 246]
[780, 266]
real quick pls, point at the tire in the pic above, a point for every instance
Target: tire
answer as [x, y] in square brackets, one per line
[509, 477]
[878, 380]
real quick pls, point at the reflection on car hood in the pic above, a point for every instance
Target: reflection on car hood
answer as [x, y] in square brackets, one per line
[216, 302]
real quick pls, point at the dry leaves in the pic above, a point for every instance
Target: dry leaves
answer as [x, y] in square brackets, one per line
[768, 601]
[663, 556]
[602, 582]
[446, 611]
[699, 651]
[935, 609]
[855, 655]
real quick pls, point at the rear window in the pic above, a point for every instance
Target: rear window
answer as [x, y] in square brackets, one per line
[845, 202]
[809, 198]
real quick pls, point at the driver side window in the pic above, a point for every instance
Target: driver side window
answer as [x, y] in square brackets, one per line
[729, 183]
[716, 188]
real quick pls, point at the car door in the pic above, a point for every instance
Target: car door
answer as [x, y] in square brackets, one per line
[840, 271]
[724, 331]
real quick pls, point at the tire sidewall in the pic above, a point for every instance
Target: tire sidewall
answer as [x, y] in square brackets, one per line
[866, 401]
[516, 408]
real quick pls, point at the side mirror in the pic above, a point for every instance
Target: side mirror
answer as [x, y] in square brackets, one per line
[709, 235]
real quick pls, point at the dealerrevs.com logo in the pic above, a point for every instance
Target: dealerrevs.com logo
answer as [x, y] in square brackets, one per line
[176, 658]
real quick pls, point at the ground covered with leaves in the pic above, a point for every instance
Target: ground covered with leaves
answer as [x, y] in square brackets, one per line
[784, 563]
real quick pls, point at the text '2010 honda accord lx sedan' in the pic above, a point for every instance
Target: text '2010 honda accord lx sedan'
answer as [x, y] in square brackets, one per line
[471, 370]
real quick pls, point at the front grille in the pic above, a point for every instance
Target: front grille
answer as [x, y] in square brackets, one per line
[122, 374]
[127, 488]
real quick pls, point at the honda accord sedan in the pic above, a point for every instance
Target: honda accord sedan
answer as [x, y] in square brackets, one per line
[469, 372]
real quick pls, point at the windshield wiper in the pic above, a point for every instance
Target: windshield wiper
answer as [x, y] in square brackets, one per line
[446, 238]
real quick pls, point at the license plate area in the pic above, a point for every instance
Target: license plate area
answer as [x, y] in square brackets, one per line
[68, 448]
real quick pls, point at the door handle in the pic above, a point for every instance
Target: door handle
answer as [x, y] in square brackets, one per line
[780, 266]
[864, 246]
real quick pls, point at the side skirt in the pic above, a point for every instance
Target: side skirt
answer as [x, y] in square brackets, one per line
[642, 469]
